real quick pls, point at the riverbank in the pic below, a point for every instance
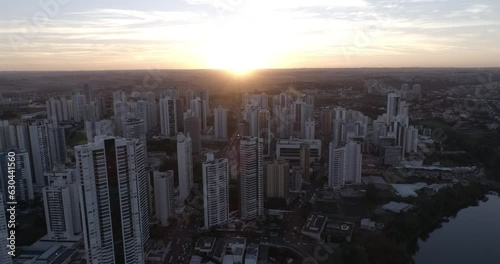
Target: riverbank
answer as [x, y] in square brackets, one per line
[398, 242]
[431, 212]
[471, 237]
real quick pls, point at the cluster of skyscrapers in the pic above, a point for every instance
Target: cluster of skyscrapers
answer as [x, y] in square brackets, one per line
[391, 135]
[106, 191]
[103, 191]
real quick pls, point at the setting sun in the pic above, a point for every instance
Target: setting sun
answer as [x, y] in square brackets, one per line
[239, 49]
[237, 56]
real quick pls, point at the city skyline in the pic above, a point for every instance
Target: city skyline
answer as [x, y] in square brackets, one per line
[249, 131]
[93, 169]
[240, 36]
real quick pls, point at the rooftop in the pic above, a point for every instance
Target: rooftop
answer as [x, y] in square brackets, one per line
[205, 244]
[315, 223]
[396, 207]
[408, 190]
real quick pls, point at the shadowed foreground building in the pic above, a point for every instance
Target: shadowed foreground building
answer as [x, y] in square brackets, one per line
[4, 256]
[113, 200]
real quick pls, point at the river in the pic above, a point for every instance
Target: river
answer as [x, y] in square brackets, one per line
[472, 237]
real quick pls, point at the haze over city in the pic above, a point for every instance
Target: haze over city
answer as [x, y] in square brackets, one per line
[241, 35]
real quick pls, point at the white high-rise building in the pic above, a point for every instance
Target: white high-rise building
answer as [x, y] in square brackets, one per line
[58, 211]
[192, 127]
[251, 116]
[181, 108]
[340, 113]
[142, 112]
[205, 96]
[23, 180]
[171, 92]
[199, 109]
[40, 150]
[185, 165]
[135, 128]
[164, 196]
[417, 91]
[310, 129]
[245, 99]
[5, 137]
[353, 162]
[379, 130]
[265, 129]
[91, 111]
[344, 165]
[336, 169]
[87, 91]
[152, 108]
[220, 122]
[168, 117]
[284, 123]
[189, 94]
[405, 90]
[120, 111]
[251, 178]
[62, 204]
[58, 109]
[411, 140]
[57, 142]
[393, 106]
[215, 191]
[19, 136]
[4, 234]
[79, 102]
[300, 112]
[326, 121]
[113, 200]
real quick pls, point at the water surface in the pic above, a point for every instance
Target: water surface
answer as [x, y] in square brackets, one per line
[472, 237]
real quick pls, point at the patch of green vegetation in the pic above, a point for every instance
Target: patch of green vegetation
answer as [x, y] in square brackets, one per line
[9, 114]
[276, 203]
[392, 178]
[166, 145]
[399, 240]
[78, 138]
[450, 160]
[485, 149]
[407, 228]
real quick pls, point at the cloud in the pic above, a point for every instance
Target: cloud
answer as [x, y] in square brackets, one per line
[306, 29]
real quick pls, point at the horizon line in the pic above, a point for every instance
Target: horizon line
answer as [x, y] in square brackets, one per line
[260, 69]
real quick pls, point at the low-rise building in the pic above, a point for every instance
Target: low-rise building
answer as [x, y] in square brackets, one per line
[314, 226]
[289, 149]
[205, 244]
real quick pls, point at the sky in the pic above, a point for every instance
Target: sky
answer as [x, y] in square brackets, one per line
[241, 35]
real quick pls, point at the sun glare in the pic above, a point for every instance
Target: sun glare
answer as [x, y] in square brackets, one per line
[237, 57]
[238, 50]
